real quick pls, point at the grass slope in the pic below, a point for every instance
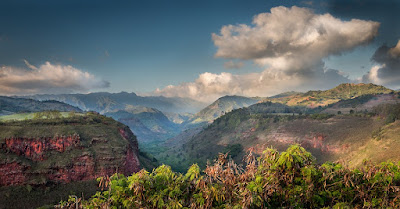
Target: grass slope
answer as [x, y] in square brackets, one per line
[345, 91]
[10, 105]
[29, 116]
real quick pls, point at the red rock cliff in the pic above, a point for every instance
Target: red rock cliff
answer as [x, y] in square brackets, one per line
[131, 160]
[80, 162]
[35, 149]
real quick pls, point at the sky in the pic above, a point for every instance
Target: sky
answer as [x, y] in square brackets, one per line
[197, 49]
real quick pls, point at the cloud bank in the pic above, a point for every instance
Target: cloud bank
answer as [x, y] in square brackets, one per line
[290, 44]
[387, 70]
[47, 78]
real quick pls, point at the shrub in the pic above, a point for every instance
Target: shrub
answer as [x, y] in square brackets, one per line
[321, 116]
[290, 179]
[233, 150]
[377, 134]
[390, 118]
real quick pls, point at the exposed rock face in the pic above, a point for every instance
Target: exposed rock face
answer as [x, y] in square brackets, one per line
[35, 149]
[12, 174]
[131, 162]
[132, 159]
[100, 147]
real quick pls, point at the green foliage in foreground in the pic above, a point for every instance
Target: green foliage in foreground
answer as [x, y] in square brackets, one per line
[289, 179]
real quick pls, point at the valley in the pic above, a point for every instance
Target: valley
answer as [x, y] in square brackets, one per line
[56, 145]
[335, 131]
[207, 104]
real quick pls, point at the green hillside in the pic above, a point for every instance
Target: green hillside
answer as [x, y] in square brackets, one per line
[328, 137]
[29, 116]
[222, 106]
[363, 103]
[10, 105]
[345, 91]
[285, 94]
[349, 90]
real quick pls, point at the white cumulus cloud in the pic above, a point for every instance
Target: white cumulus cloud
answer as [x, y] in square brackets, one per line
[290, 44]
[292, 39]
[47, 78]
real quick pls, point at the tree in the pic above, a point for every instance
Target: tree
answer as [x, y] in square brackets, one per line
[390, 118]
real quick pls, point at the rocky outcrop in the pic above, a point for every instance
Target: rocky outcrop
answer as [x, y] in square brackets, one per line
[83, 168]
[132, 159]
[311, 140]
[317, 141]
[35, 149]
[99, 147]
[12, 174]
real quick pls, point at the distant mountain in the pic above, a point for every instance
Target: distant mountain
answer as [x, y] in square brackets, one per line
[10, 105]
[315, 99]
[150, 125]
[221, 106]
[152, 118]
[106, 102]
[178, 118]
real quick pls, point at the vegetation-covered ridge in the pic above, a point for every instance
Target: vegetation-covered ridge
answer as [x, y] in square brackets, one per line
[105, 102]
[328, 137]
[343, 91]
[51, 152]
[10, 105]
[274, 180]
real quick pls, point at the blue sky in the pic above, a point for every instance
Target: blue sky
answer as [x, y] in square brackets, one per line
[143, 45]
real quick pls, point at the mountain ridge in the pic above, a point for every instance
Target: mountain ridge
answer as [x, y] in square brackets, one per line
[10, 105]
[314, 99]
[106, 102]
[221, 106]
